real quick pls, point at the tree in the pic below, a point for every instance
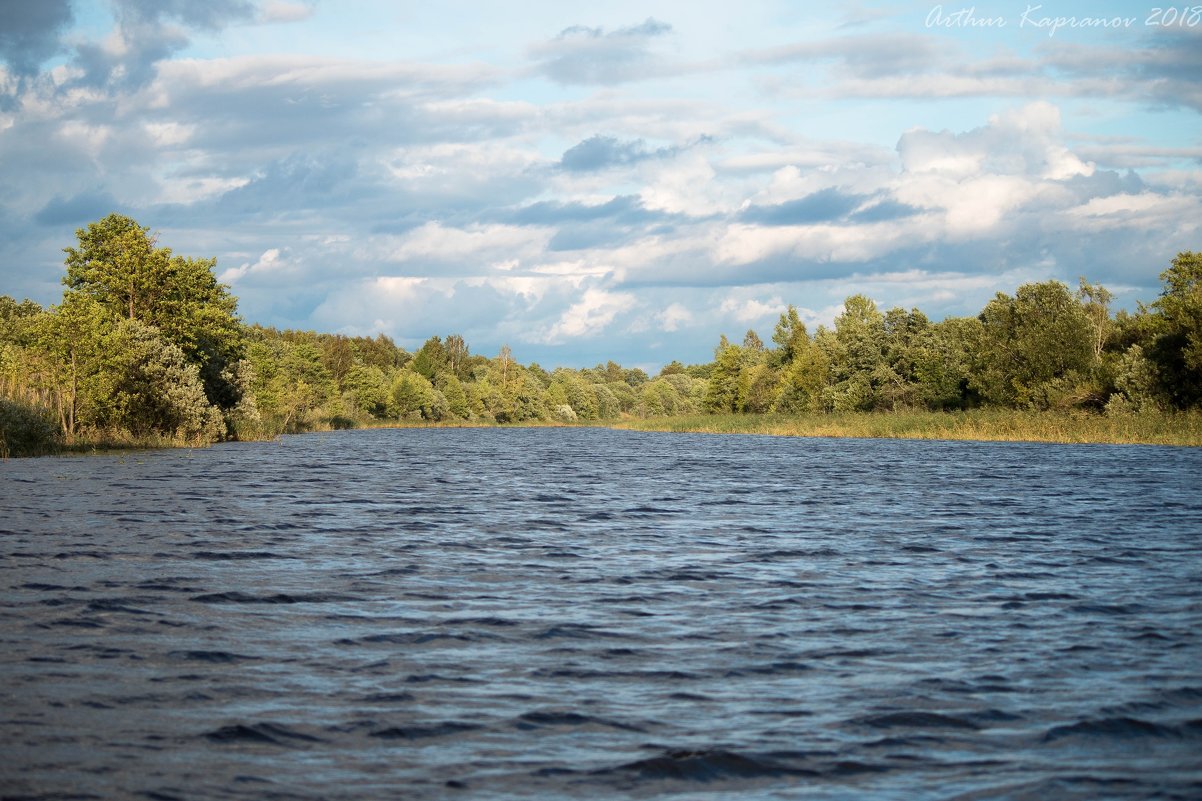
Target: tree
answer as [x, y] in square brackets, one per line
[1177, 347]
[1095, 299]
[790, 336]
[897, 380]
[117, 263]
[367, 389]
[452, 390]
[120, 266]
[723, 390]
[72, 342]
[457, 355]
[156, 390]
[291, 384]
[942, 359]
[856, 352]
[1036, 347]
[431, 359]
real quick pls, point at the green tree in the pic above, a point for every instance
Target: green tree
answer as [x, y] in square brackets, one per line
[1177, 345]
[942, 362]
[1095, 299]
[292, 386]
[119, 265]
[790, 337]
[367, 390]
[431, 359]
[72, 343]
[856, 352]
[156, 390]
[452, 389]
[457, 355]
[412, 396]
[725, 388]
[1036, 347]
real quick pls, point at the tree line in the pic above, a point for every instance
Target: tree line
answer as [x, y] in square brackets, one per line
[148, 344]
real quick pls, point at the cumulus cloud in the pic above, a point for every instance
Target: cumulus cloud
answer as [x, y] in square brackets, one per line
[283, 11]
[866, 56]
[585, 55]
[821, 206]
[617, 220]
[147, 32]
[268, 263]
[590, 315]
[78, 209]
[30, 32]
[599, 152]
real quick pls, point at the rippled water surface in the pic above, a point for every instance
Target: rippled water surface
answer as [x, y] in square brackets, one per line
[576, 613]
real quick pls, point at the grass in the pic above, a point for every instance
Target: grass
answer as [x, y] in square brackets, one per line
[979, 424]
[1167, 428]
[106, 440]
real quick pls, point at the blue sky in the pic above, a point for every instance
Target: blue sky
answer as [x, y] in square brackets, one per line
[585, 182]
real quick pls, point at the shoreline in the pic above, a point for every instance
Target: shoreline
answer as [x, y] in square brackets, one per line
[1173, 430]
[1180, 429]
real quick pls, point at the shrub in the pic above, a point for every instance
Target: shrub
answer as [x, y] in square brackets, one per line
[26, 430]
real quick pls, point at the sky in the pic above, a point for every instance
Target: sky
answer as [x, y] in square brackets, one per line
[594, 181]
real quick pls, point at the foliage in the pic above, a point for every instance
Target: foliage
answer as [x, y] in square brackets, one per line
[26, 430]
[146, 346]
[120, 266]
[1177, 343]
[1033, 345]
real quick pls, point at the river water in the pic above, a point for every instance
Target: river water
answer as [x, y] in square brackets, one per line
[586, 613]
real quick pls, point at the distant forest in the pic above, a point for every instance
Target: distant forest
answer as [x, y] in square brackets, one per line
[147, 344]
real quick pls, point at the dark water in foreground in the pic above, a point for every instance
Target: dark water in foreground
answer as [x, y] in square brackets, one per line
[564, 613]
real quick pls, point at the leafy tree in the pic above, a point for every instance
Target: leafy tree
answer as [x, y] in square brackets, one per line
[367, 390]
[119, 265]
[412, 396]
[337, 355]
[1095, 299]
[156, 390]
[16, 320]
[803, 377]
[753, 346]
[456, 355]
[431, 359]
[456, 397]
[379, 351]
[1035, 346]
[292, 386]
[723, 392]
[856, 352]
[1177, 346]
[72, 343]
[1137, 384]
[942, 358]
[758, 387]
[790, 336]
[896, 379]
[569, 387]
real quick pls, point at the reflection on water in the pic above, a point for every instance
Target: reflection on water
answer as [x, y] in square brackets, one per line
[586, 613]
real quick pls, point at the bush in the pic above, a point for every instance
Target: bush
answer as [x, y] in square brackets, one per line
[26, 430]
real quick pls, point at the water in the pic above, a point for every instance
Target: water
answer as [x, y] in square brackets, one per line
[575, 613]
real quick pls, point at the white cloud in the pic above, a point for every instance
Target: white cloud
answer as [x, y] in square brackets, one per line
[673, 317]
[268, 263]
[752, 309]
[283, 11]
[590, 315]
[481, 244]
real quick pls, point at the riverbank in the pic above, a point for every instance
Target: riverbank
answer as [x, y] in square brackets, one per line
[986, 425]
[990, 425]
